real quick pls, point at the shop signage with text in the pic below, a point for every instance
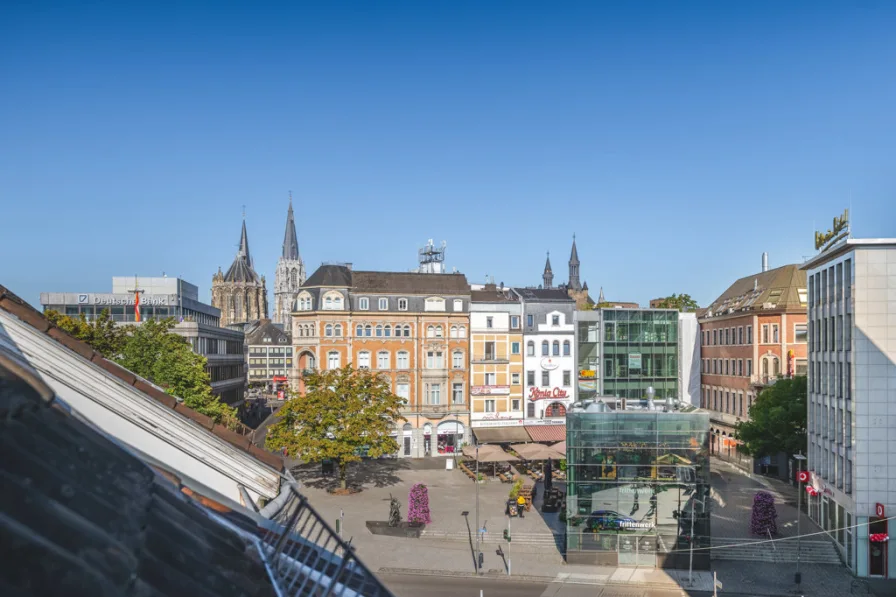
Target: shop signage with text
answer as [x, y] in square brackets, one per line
[539, 394]
[489, 390]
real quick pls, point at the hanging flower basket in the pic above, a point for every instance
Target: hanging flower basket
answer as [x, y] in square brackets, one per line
[879, 537]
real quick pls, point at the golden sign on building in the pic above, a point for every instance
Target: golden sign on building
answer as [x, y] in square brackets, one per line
[840, 229]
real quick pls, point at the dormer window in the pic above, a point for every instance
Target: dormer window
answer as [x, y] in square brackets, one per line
[363, 303]
[458, 305]
[434, 304]
[333, 302]
[384, 304]
[555, 320]
[402, 304]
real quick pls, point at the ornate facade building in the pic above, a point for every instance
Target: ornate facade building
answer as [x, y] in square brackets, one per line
[290, 273]
[240, 293]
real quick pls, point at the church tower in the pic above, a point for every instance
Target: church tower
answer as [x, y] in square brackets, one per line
[240, 293]
[548, 275]
[290, 272]
[574, 283]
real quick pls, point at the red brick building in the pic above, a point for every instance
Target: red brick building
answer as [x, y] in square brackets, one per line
[753, 334]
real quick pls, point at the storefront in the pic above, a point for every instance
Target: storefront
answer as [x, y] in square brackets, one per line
[638, 486]
[450, 435]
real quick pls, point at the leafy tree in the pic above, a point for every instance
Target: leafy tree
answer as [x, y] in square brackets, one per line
[602, 305]
[102, 335]
[164, 358]
[343, 413]
[777, 419]
[681, 302]
[151, 351]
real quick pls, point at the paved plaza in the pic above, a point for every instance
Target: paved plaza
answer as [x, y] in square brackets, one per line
[448, 544]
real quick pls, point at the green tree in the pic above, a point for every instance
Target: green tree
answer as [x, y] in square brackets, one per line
[681, 302]
[102, 335]
[343, 413]
[164, 358]
[603, 305]
[777, 419]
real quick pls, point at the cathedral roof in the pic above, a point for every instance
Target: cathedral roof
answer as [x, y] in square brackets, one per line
[574, 254]
[290, 241]
[241, 269]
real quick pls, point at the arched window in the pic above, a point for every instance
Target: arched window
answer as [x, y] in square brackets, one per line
[765, 367]
[328, 302]
[379, 331]
[364, 360]
[566, 348]
[328, 330]
[556, 348]
[452, 333]
[292, 278]
[431, 331]
[337, 330]
[359, 330]
[776, 366]
[363, 303]
[368, 330]
[530, 349]
[403, 359]
[309, 330]
[438, 331]
[387, 331]
[457, 359]
[333, 360]
[382, 359]
[462, 331]
[310, 362]
[407, 331]
[544, 348]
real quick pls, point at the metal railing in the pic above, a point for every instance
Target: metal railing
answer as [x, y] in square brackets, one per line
[307, 557]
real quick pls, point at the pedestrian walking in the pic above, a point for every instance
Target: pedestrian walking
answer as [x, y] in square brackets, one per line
[520, 505]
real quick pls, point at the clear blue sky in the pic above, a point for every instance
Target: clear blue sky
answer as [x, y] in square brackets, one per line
[678, 140]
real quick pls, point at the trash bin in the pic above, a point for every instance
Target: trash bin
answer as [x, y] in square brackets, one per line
[327, 467]
[511, 508]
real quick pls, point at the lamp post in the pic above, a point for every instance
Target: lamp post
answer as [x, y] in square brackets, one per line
[799, 511]
[478, 552]
[693, 516]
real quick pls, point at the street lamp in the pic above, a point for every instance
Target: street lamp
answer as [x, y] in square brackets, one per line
[478, 552]
[799, 511]
[693, 516]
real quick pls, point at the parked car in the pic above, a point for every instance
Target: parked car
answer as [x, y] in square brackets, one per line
[601, 520]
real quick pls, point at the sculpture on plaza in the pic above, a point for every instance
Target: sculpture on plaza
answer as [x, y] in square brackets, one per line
[394, 512]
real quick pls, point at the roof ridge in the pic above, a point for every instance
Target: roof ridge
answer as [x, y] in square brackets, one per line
[15, 305]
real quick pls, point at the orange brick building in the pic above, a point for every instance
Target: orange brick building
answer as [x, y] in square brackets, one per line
[753, 334]
[411, 327]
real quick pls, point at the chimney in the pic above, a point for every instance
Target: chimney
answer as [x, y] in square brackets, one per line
[765, 262]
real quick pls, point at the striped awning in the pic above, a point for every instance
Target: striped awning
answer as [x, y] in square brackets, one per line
[546, 433]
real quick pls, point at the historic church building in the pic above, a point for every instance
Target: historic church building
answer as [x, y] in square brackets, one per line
[574, 288]
[290, 273]
[240, 293]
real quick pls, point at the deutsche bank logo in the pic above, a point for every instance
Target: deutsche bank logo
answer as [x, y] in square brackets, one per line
[82, 298]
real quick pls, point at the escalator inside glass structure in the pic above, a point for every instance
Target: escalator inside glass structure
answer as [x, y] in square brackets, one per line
[638, 486]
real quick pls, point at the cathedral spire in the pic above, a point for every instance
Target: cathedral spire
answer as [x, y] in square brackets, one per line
[574, 266]
[548, 275]
[290, 240]
[244, 243]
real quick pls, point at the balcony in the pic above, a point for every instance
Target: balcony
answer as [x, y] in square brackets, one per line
[489, 359]
[435, 372]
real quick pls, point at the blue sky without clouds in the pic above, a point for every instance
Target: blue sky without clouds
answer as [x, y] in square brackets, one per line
[678, 140]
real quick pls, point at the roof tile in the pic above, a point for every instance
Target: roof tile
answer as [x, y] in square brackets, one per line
[13, 304]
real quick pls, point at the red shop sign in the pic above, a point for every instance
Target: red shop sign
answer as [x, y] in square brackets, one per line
[879, 510]
[538, 393]
[803, 476]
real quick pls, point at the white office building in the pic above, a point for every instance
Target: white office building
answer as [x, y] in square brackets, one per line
[852, 398]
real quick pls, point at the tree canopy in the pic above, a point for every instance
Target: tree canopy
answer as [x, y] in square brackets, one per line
[777, 419]
[153, 352]
[681, 302]
[344, 413]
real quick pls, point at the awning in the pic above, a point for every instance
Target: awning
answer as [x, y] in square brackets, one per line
[500, 435]
[535, 451]
[546, 433]
[560, 447]
[489, 454]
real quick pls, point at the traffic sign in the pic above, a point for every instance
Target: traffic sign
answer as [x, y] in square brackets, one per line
[804, 476]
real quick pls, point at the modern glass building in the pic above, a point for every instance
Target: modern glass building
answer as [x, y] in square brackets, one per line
[634, 479]
[639, 350]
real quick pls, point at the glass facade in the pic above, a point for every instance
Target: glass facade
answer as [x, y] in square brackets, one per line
[634, 478]
[588, 353]
[640, 350]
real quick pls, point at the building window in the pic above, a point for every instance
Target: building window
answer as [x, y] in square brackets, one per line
[328, 330]
[555, 348]
[363, 360]
[457, 359]
[530, 320]
[434, 304]
[514, 322]
[765, 336]
[434, 360]
[384, 304]
[530, 378]
[452, 332]
[402, 304]
[566, 348]
[514, 348]
[489, 406]
[403, 391]
[749, 334]
[727, 370]
[403, 360]
[387, 331]
[489, 351]
[363, 303]
[715, 337]
[382, 359]
[407, 331]
[359, 330]
[337, 330]
[567, 377]
[490, 379]
[489, 322]
[368, 330]
[515, 404]
[555, 320]
[749, 367]
[515, 379]
[431, 331]
[545, 378]
[457, 393]
[458, 305]
[333, 360]
[727, 336]
[434, 393]
[800, 333]
[544, 349]
[438, 331]
[740, 367]
[530, 348]
[379, 331]
[740, 335]
[461, 331]
[775, 337]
